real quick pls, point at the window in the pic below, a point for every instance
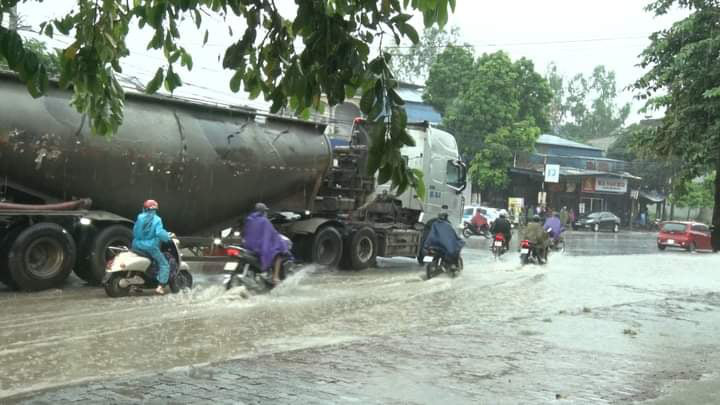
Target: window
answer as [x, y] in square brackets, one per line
[673, 227]
[700, 228]
[454, 174]
[468, 211]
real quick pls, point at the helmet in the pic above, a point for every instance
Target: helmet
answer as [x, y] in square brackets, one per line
[503, 213]
[536, 218]
[443, 215]
[261, 207]
[150, 205]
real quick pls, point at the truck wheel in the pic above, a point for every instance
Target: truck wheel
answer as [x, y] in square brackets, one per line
[360, 250]
[41, 257]
[92, 266]
[327, 247]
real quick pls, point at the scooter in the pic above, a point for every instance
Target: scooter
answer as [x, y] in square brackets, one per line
[499, 246]
[133, 271]
[440, 264]
[469, 230]
[530, 253]
[246, 271]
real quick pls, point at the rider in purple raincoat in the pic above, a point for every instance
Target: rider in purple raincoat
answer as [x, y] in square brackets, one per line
[556, 227]
[263, 239]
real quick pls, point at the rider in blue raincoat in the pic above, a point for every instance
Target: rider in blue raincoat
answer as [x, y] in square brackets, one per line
[442, 237]
[148, 234]
[555, 226]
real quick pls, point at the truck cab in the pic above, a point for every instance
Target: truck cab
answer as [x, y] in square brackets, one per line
[436, 154]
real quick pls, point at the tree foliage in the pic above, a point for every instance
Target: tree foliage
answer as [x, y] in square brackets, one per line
[47, 58]
[494, 106]
[585, 107]
[324, 49]
[412, 63]
[450, 73]
[683, 79]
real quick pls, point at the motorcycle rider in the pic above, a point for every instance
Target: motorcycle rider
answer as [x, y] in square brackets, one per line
[443, 238]
[264, 240]
[148, 234]
[536, 235]
[554, 224]
[479, 222]
[502, 225]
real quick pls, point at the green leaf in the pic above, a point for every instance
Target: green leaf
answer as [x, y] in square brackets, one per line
[236, 81]
[205, 38]
[154, 85]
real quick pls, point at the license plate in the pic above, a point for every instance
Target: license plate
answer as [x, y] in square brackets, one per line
[231, 266]
[525, 251]
[670, 242]
[498, 244]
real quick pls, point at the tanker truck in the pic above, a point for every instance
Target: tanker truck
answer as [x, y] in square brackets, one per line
[67, 196]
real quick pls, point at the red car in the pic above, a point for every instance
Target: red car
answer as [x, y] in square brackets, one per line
[685, 235]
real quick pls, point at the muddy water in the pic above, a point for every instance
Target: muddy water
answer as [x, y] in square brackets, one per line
[578, 316]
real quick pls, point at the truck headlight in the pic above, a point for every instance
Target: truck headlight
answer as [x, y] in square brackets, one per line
[85, 221]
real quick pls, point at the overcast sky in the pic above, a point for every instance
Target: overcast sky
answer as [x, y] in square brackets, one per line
[575, 34]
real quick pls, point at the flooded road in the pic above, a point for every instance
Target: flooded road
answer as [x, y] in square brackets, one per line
[610, 320]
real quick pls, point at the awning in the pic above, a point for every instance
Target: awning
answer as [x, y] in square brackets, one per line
[653, 196]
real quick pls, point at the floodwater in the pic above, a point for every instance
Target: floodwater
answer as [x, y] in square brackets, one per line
[600, 323]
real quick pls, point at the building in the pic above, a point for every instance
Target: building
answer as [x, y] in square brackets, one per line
[587, 181]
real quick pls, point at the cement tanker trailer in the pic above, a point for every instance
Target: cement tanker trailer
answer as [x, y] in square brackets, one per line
[207, 165]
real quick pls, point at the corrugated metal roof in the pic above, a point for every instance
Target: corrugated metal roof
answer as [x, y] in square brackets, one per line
[547, 139]
[417, 112]
[410, 94]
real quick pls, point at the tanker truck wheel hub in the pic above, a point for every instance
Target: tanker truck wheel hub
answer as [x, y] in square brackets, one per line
[365, 249]
[44, 257]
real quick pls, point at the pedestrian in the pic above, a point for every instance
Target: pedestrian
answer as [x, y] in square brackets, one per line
[571, 216]
[564, 216]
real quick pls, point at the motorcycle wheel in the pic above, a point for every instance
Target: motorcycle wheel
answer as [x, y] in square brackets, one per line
[458, 269]
[182, 281]
[432, 269]
[467, 233]
[524, 259]
[234, 281]
[113, 289]
[495, 252]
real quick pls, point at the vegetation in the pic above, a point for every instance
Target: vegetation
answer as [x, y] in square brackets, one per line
[585, 108]
[683, 80]
[494, 106]
[411, 63]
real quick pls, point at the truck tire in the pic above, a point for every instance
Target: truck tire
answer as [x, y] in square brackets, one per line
[327, 247]
[360, 250]
[41, 257]
[91, 268]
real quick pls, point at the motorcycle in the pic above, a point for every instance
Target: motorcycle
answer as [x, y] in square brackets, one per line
[133, 271]
[246, 271]
[440, 264]
[469, 230]
[499, 246]
[530, 253]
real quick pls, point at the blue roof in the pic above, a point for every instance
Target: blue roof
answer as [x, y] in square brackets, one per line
[547, 139]
[418, 112]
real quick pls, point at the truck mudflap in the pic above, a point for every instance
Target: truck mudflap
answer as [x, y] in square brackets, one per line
[398, 242]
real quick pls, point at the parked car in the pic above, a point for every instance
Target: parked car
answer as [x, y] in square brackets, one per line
[597, 221]
[684, 235]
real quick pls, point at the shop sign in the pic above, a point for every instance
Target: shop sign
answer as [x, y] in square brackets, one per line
[588, 185]
[552, 173]
[610, 185]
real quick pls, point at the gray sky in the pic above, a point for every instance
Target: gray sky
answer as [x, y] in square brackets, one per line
[575, 34]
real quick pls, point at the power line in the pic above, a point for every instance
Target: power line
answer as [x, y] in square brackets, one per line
[539, 43]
